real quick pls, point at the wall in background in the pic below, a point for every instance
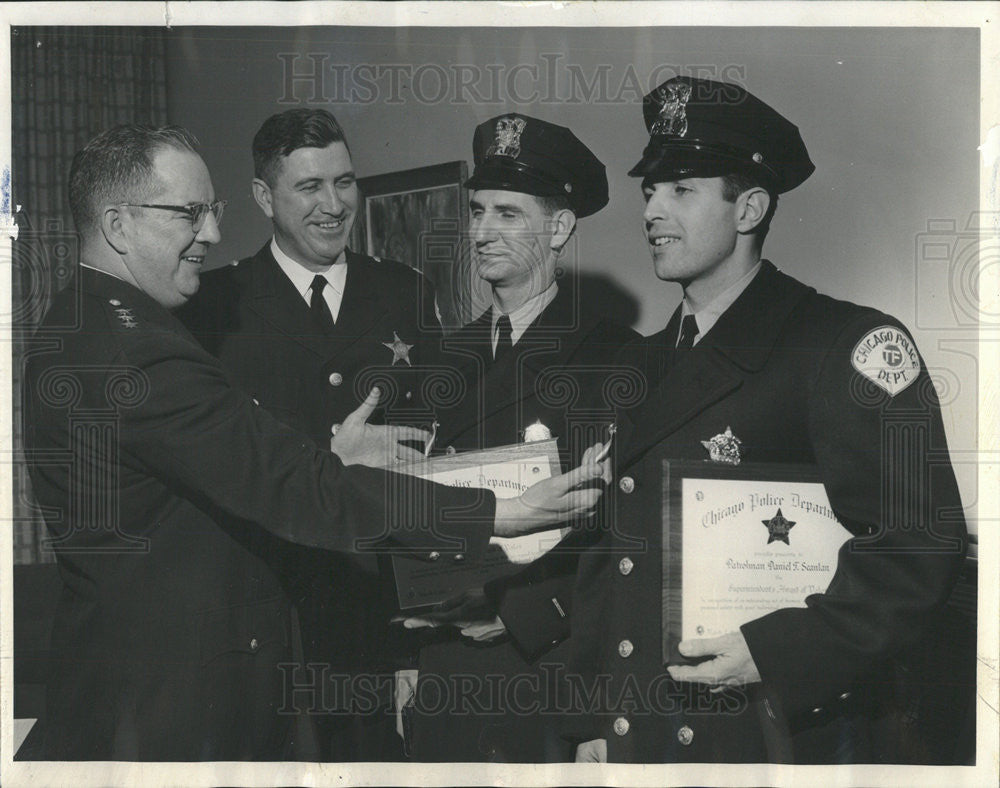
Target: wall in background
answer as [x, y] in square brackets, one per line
[890, 117]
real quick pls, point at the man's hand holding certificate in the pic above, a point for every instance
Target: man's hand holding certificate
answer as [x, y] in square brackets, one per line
[555, 500]
[531, 496]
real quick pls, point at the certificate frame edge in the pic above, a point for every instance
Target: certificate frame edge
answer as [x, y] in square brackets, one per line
[674, 472]
[469, 459]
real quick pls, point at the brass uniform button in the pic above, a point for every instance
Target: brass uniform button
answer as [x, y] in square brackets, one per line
[621, 726]
[685, 736]
[336, 379]
[625, 566]
[625, 648]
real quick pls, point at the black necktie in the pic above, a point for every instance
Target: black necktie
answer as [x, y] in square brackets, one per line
[504, 343]
[689, 330]
[318, 306]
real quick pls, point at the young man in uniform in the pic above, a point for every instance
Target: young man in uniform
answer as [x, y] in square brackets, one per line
[755, 366]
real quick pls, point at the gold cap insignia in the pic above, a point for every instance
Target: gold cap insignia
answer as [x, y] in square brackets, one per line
[508, 140]
[673, 113]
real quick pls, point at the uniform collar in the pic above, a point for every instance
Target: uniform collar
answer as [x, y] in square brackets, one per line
[524, 315]
[708, 315]
[302, 278]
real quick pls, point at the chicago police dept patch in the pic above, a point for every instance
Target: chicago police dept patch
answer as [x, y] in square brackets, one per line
[887, 357]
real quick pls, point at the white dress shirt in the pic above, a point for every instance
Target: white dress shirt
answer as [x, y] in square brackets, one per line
[523, 316]
[708, 315]
[302, 279]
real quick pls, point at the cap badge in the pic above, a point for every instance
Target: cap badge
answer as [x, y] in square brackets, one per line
[724, 447]
[508, 141]
[673, 113]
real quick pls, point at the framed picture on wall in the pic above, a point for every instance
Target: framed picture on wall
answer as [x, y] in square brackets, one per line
[420, 217]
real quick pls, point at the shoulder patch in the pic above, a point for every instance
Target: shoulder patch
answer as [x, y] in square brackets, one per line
[887, 356]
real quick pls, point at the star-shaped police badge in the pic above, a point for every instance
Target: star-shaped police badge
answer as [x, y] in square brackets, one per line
[778, 528]
[400, 350]
[724, 447]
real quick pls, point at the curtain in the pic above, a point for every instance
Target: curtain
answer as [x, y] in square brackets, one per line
[68, 84]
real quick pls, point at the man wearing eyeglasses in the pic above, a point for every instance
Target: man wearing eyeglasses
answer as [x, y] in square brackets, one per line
[165, 489]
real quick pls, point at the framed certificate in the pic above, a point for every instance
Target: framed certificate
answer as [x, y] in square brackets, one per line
[740, 542]
[506, 470]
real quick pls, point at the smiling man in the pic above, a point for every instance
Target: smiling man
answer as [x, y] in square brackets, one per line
[306, 326]
[166, 490]
[758, 367]
[535, 364]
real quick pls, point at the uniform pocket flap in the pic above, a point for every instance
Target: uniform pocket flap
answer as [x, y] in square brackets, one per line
[244, 628]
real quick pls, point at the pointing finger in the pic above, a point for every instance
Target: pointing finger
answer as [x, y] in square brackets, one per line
[366, 408]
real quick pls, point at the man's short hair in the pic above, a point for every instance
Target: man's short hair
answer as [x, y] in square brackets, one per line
[552, 204]
[735, 183]
[117, 167]
[288, 131]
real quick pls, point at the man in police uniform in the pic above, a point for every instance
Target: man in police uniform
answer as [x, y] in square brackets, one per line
[533, 365]
[756, 366]
[307, 326]
[163, 486]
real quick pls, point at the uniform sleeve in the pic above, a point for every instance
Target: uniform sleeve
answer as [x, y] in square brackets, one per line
[881, 450]
[186, 425]
[535, 604]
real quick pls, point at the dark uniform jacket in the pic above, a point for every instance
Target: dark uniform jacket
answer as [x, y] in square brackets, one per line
[162, 486]
[251, 317]
[556, 374]
[777, 369]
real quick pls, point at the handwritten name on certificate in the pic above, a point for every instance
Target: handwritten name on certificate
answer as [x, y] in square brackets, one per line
[752, 547]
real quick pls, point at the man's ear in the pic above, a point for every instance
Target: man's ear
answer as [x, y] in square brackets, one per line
[563, 224]
[113, 229]
[752, 205]
[262, 194]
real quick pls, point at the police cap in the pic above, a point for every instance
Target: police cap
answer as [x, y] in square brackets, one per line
[518, 153]
[700, 128]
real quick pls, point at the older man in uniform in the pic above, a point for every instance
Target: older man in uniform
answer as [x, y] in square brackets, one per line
[534, 364]
[307, 326]
[757, 366]
[164, 487]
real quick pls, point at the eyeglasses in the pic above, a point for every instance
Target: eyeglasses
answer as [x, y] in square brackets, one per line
[196, 212]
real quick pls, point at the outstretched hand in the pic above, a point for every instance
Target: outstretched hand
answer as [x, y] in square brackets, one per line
[553, 501]
[358, 443]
